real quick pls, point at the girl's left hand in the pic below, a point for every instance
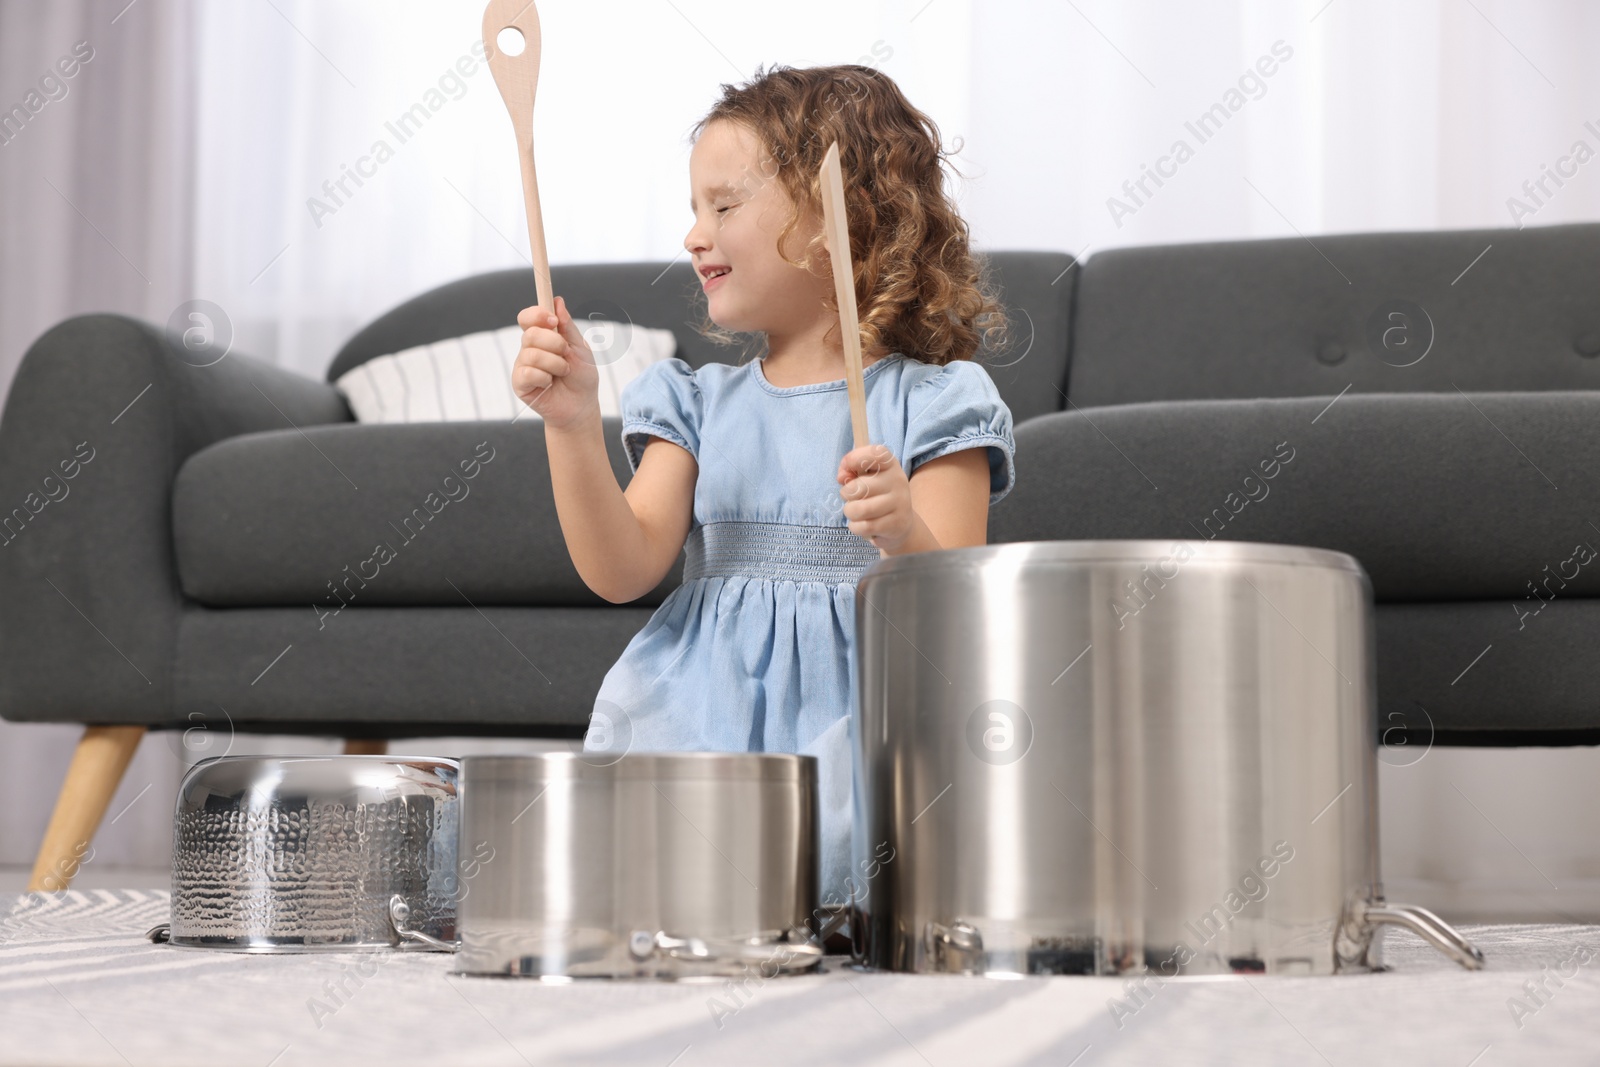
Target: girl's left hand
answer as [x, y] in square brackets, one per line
[877, 496]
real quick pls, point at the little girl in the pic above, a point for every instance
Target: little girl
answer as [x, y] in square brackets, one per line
[750, 469]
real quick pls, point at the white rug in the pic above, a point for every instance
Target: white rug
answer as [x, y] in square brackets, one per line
[79, 984]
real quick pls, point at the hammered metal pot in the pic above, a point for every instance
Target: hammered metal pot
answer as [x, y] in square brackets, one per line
[306, 854]
[651, 865]
[1112, 757]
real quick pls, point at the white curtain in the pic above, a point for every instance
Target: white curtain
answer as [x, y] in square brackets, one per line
[1384, 116]
[97, 172]
[200, 154]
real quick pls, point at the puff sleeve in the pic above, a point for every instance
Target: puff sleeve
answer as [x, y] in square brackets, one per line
[663, 401]
[959, 408]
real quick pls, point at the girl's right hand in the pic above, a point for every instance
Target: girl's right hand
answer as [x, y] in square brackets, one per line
[555, 373]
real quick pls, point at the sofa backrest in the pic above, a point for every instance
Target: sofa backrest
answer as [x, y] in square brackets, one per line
[1036, 287]
[1478, 310]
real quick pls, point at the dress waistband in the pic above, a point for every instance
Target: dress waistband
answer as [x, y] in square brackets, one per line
[777, 551]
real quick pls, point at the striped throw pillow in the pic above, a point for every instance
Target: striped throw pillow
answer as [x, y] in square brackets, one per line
[466, 379]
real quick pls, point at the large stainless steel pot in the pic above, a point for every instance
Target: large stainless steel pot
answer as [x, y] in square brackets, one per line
[304, 854]
[1098, 757]
[655, 865]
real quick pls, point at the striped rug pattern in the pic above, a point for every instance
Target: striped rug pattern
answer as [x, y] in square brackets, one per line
[80, 984]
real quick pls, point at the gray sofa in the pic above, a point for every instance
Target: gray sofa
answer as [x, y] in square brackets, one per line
[187, 573]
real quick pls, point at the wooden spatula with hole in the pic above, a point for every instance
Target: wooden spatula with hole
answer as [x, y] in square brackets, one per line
[518, 77]
[836, 226]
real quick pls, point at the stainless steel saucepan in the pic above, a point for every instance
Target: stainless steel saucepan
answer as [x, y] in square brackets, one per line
[1106, 757]
[305, 854]
[651, 865]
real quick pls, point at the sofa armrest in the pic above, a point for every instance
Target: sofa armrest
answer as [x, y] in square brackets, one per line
[102, 412]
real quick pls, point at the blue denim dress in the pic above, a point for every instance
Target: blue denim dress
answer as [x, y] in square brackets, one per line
[752, 653]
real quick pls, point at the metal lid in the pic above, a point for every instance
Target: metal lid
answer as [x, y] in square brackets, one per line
[1014, 554]
[651, 766]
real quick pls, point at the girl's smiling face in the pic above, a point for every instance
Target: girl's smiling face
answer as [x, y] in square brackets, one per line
[738, 214]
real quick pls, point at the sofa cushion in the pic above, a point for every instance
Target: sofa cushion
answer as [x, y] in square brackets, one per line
[1440, 497]
[1287, 317]
[452, 513]
[1036, 288]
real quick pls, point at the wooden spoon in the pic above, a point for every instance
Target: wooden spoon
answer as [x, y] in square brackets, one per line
[518, 77]
[836, 227]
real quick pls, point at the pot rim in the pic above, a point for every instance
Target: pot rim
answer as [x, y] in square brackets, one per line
[656, 766]
[1138, 550]
[275, 774]
[413, 761]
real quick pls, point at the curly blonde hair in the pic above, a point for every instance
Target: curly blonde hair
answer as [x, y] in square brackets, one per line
[920, 289]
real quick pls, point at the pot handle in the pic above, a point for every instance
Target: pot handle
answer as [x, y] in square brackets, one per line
[836, 917]
[948, 945]
[642, 944]
[1428, 926]
[399, 912]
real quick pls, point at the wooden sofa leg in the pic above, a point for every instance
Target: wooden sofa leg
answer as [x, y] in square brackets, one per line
[92, 778]
[366, 746]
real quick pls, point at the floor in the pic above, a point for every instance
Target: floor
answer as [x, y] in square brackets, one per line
[79, 984]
